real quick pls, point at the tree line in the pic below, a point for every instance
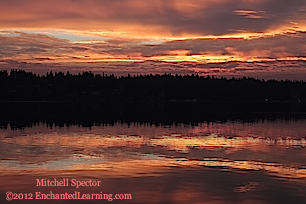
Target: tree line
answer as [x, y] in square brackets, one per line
[19, 85]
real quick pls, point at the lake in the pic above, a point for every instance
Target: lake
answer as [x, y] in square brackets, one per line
[247, 159]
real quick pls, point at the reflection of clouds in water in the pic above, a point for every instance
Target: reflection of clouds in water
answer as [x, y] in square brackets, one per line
[217, 142]
[145, 165]
[262, 128]
[250, 186]
[37, 148]
[133, 150]
[173, 142]
[178, 186]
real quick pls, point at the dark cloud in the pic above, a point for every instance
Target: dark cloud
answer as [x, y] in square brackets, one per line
[176, 17]
[251, 14]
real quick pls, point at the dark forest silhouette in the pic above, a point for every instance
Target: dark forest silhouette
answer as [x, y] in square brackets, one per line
[19, 85]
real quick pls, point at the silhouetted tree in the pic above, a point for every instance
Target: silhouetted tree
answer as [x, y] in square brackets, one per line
[20, 85]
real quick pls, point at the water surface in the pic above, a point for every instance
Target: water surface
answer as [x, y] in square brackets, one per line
[262, 161]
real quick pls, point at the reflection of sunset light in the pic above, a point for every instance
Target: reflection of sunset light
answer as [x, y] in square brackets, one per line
[83, 141]
[178, 143]
[213, 141]
[138, 167]
[107, 150]
[165, 163]
[171, 142]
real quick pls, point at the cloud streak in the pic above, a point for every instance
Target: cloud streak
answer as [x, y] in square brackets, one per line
[24, 46]
[251, 14]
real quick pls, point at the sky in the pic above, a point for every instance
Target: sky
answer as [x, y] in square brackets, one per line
[253, 38]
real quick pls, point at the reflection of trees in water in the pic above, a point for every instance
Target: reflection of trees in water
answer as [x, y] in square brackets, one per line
[19, 115]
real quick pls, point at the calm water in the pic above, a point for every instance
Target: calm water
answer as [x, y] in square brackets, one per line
[208, 162]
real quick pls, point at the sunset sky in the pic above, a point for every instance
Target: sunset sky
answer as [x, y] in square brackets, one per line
[256, 38]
